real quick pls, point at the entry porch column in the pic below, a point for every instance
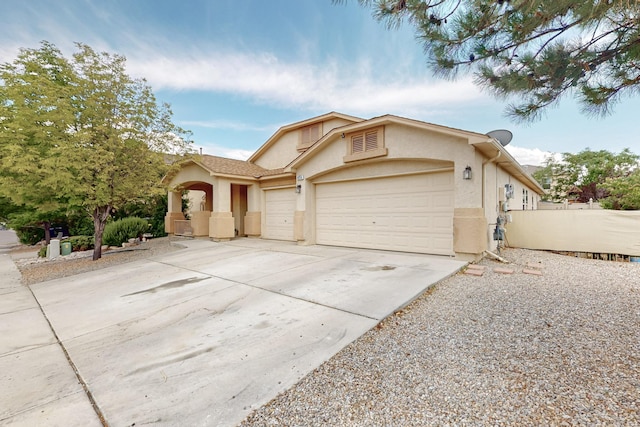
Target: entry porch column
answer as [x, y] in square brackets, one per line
[221, 223]
[174, 211]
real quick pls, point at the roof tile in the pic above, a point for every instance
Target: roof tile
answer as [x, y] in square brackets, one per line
[227, 166]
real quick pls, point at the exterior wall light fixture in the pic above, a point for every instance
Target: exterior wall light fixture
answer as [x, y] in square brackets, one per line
[298, 188]
[466, 173]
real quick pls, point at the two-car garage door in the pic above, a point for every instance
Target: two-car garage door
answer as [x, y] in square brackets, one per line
[411, 213]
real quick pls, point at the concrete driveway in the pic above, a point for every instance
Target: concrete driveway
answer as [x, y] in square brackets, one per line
[204, 335]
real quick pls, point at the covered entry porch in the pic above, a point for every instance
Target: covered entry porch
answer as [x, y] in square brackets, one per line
[225, 207]
[221, 212]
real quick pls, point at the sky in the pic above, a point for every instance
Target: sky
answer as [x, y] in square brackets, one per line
[234, 71]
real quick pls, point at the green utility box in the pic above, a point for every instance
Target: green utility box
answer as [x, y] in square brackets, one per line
[65, 248]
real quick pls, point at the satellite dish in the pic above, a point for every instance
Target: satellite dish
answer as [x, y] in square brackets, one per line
[503, 136]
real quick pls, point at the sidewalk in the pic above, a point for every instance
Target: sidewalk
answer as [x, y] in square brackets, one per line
[37, 384]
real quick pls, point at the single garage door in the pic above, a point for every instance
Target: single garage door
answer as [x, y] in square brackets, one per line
[409, 213]
[280, 205]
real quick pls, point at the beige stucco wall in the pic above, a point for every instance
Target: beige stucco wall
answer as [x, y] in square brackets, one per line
[200, 223]
[252, 224]
[329, 125]
[221, 226]
[190, 174]
[281, 152]
[197, 200]
[469, 235]
[516, 203]
[405, 142]
[495, 179]
[408, 142]
[382, 167]
[284, 149]
[402, 143]
[600, 231]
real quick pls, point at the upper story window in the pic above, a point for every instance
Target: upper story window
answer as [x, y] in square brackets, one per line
[366, 144]
[309, 135]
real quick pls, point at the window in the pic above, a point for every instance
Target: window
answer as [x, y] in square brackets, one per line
[309, 135]
[525, 199]
[365, 145]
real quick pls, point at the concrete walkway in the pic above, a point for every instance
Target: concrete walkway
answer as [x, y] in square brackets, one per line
[200, 336]
[38, 386]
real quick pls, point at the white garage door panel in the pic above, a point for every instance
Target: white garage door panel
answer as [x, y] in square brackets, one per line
[405, 213]
[280, 206]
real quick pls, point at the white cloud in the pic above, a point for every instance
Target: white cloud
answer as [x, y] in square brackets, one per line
[330, 86]
[529, 156]
[228, 152]
[227, 125]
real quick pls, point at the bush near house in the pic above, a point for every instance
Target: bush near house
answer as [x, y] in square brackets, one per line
[29, 234]
[118, 232]
[81, 243]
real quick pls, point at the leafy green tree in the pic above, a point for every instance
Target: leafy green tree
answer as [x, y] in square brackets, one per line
[6, 209]
[624, 192]
[32, 226]
[536, 51]
[585, 174]
[35, 115]
[102, 140]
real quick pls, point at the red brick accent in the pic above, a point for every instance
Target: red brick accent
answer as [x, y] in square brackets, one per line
[531, 271]
[474, 272]
[504, 270]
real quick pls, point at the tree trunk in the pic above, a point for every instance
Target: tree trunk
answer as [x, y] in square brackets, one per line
[100, 215]
[47, 232]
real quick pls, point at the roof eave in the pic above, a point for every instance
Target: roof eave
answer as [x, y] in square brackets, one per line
[490, 148]
[472, 137]
[275, 176]
[292, 126]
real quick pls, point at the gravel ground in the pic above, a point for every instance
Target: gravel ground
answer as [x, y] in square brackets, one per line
[558, 349]
[35, 270]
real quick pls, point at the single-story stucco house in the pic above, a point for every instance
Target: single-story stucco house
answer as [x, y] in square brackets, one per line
[387, 183]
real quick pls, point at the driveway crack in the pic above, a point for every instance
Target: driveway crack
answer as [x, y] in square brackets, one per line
[84, 385]
[270, 290]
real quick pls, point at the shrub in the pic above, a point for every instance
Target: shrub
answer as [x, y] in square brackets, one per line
[81, 243]
[80, 224]
[118, 232]
[29, 235]
[153, 209]
[42, 253]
